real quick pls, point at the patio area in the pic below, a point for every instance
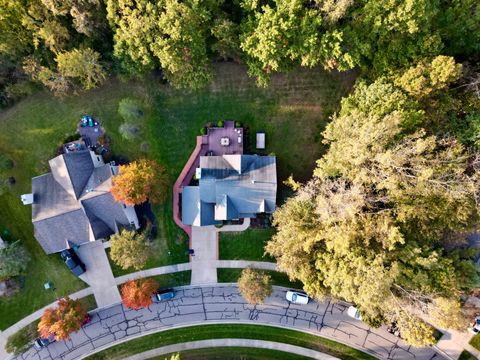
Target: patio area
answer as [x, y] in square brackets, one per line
[224, 140]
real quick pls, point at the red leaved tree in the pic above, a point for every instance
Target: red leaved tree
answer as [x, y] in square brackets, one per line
[61, 321]
[140, 181]
[137, 294]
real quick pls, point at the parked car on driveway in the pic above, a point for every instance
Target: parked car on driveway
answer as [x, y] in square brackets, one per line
[41, 343]
[163, 295]
[297, 297]
[475, 327]
[353, 312]
[73, 262]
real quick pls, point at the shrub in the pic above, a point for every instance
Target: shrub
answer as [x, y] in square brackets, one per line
[71, 137]
[129, 249]
[131, 110]
[129, 131]
[19, 342]
[13, 260]
[209, 124]
[255, 286]
[137, 294]
[203, 131]
[5, 162]
[220, 123]
[238, 124]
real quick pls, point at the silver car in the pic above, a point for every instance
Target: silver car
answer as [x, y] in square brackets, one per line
[297, 297]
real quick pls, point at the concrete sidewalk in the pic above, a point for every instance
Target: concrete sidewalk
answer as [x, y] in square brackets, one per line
[99, 274]
[249, 343]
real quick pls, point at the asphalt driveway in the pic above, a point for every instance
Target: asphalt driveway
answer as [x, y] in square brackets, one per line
[223, 304]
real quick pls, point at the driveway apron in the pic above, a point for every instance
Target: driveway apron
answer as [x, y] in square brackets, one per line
[99, 274]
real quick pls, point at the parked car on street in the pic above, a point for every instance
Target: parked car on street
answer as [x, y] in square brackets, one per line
[71, 259]
[163, 295]
[41, 343]
[297, 297]
[353, 312]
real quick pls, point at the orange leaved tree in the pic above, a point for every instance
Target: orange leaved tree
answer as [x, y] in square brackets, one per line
[140, 181]
[137, 294]
[60, 322]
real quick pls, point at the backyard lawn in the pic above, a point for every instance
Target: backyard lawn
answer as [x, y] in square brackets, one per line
[202, 332]
[245, 245]
[292, 112]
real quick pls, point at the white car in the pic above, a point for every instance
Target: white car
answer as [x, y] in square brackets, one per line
[353, 312]
[297, 297]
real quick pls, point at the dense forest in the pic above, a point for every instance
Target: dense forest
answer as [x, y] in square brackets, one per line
[384, 220]
[78, 43]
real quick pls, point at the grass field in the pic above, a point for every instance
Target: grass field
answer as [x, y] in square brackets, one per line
[292, 112]
[245, 245]
[475, 342]
[278, 278]
[465, 355]
[234, 353]
[224, 331]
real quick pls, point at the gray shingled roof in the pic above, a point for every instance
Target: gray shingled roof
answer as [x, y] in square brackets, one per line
[74, 203]
[236, 185]
[72, 171]
[53, 233]
[102, 210]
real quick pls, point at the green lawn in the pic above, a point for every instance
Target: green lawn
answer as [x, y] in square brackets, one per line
[465, 355]
[475, 342]
[175, 279]
[234, 353]
[292, 111]
[244, 245]
[224, 331]
[278, 278]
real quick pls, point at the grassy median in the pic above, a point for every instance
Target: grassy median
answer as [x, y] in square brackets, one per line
[204, 332]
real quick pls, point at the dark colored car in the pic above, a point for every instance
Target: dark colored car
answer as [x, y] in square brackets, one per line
[73, 262]
[41, 343]
[162, 295]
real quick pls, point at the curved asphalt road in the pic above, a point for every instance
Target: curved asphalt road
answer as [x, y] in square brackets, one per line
[217, 304]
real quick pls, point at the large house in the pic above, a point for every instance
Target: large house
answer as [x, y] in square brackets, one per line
[72, 204]
[230, 187]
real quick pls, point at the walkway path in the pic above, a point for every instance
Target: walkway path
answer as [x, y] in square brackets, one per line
[236, 228]
[224, 304]
[212, 343]
[452, 343]
[204, 241]
[99, 274]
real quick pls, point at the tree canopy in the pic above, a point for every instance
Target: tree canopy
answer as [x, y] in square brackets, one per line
[13, 260]
[137, 294]
[374, 223]
[140, 181]
[182, 38]
[61, 321]
[129, 249]
[254, 285]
